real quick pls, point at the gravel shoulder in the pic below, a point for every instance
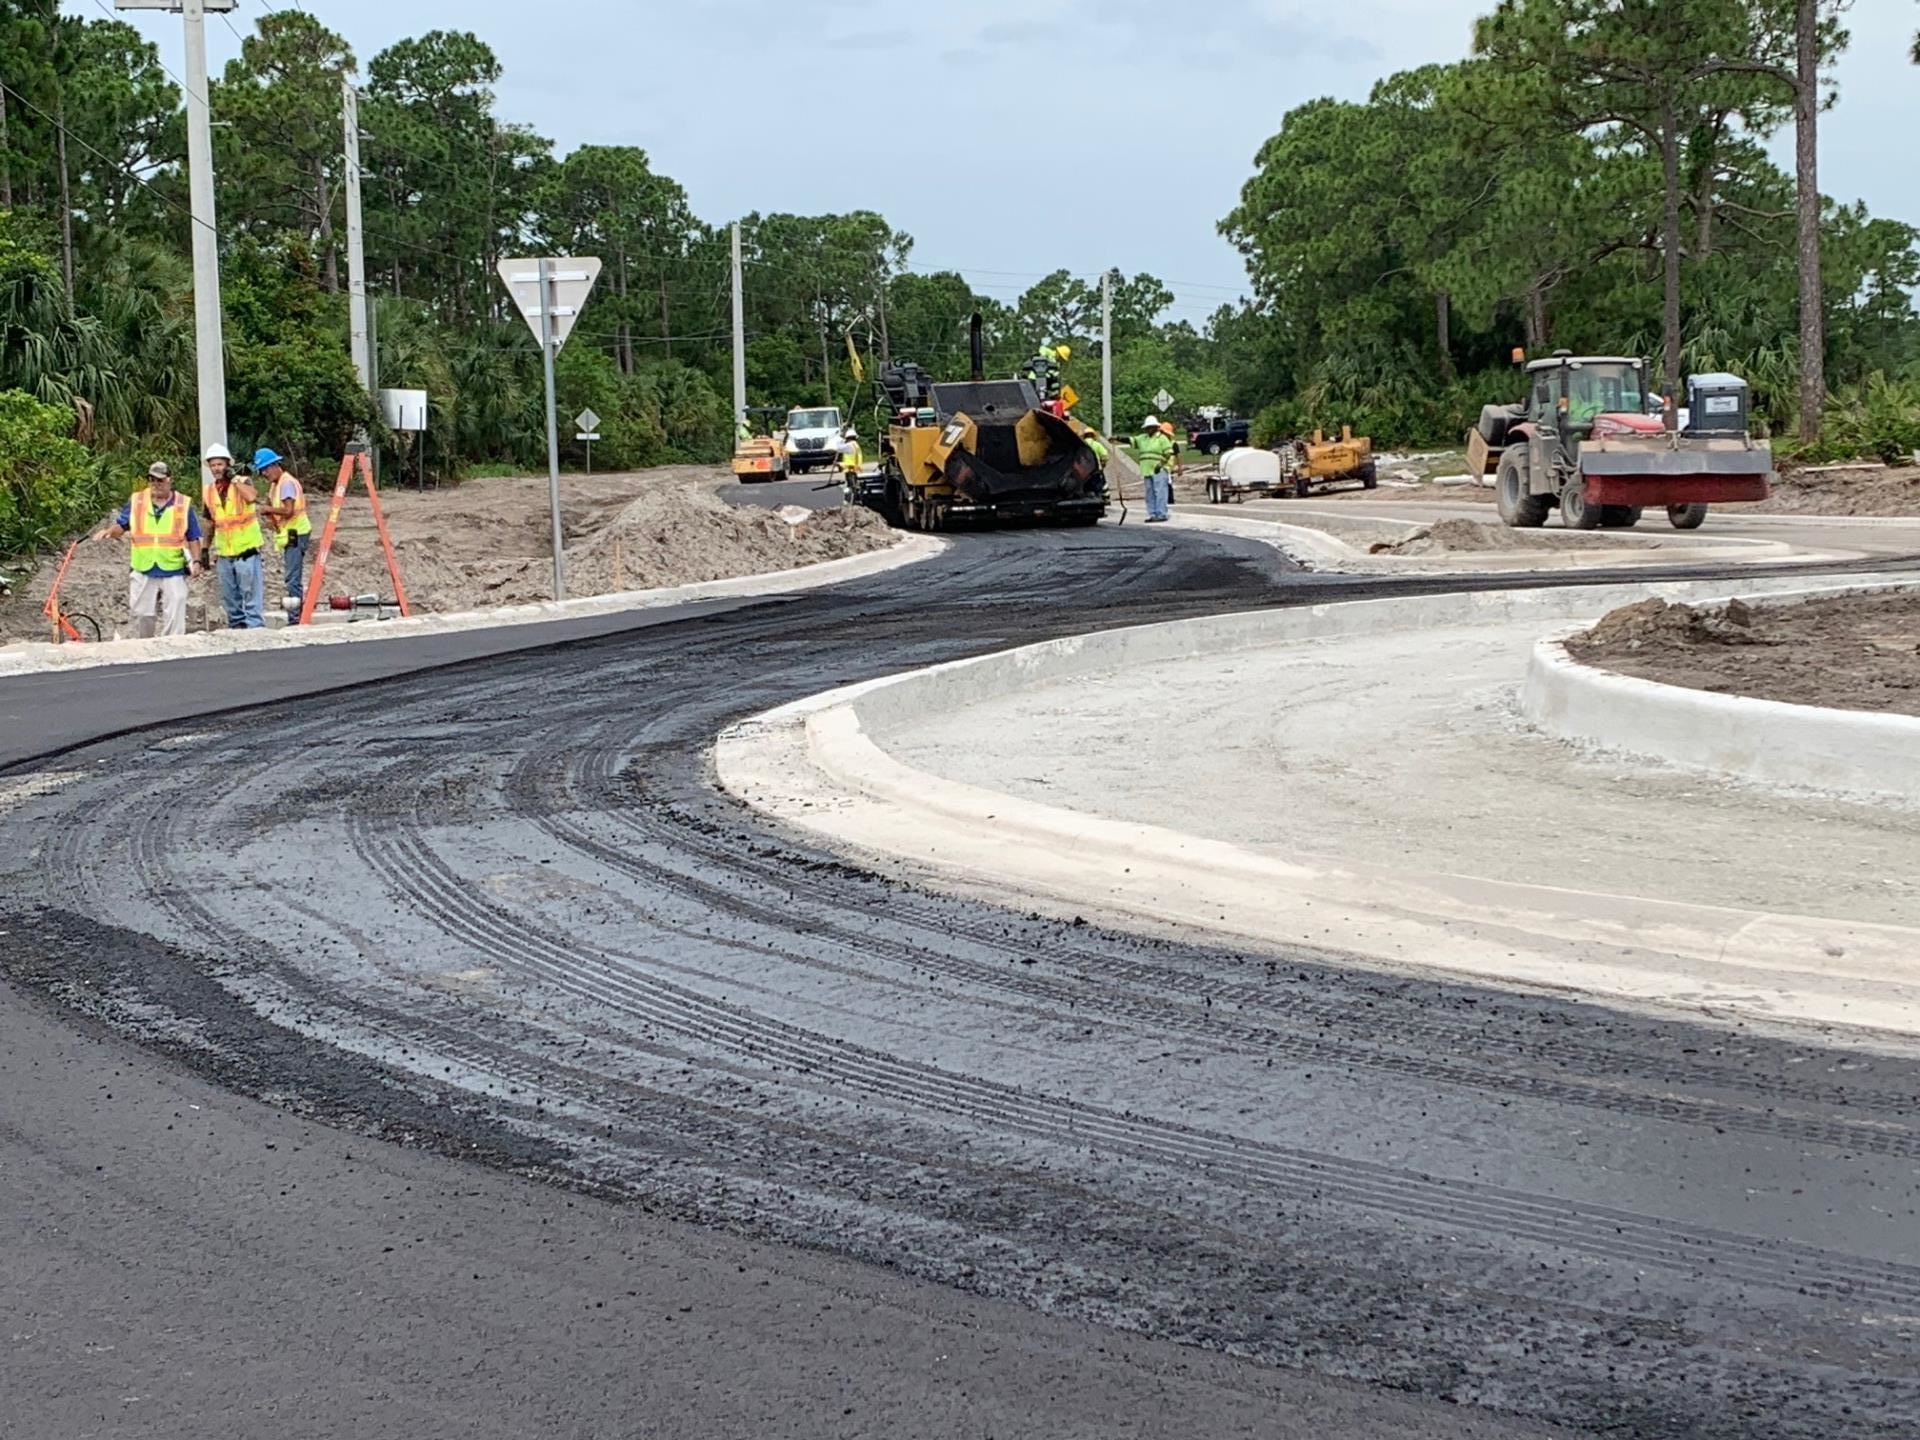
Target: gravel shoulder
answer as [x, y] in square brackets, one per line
[1853, 652]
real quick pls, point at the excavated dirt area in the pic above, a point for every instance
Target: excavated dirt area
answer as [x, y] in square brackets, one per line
[1466, 537]
[1889, 490]
[488, 543]
[1852, 652]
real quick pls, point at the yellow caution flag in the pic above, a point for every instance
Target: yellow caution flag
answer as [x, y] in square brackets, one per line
[853, 358]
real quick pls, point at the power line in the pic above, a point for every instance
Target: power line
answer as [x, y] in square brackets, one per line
[106, 159]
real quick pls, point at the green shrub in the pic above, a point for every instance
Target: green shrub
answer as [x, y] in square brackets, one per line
[50, 487]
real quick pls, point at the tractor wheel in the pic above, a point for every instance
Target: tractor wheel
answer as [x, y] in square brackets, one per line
[1518, 509]
[1575, 512]
[1619, 517]
[1369, 476]
[1686, 517]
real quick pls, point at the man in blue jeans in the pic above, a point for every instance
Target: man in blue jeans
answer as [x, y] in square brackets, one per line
[230, 505]
[286, 511]
[1153, 451]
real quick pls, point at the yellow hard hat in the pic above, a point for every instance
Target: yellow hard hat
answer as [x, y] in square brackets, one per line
[1065, 352]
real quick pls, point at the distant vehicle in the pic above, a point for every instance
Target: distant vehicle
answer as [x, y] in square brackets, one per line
[1210, 437]
[814, 438]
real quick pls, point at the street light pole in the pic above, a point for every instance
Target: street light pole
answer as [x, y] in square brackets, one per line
[739, 336]
[207, 340]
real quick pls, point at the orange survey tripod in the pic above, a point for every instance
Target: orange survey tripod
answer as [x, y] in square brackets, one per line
[350, 462]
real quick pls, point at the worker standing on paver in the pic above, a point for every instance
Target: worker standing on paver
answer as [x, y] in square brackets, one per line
[163, 556]
[1154, 452]
[230, 503]
[292, 530]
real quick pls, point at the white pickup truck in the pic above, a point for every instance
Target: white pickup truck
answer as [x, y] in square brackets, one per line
[814, 439]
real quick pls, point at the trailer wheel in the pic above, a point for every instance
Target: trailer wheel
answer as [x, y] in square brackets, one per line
[1686, 517]
[1369, 476]
[1575, 512]
[1519, 509]
[1214, 496]
[1619, 517]
[1302, 485]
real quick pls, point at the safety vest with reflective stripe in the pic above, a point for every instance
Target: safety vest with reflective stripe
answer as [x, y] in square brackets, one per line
[158, 541]
[296, 523]
[236, 524]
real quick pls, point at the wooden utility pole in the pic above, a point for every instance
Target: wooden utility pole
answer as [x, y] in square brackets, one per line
[1813, 320]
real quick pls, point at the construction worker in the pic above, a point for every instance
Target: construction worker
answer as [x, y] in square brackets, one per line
[1153, 450]
[851, 458]
[1098, 446]
[292, 530]
[163, 556]
[1044, 369]
[230, 503]
[742, 431]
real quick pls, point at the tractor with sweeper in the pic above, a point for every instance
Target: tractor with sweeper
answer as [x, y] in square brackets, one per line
[1587, 442]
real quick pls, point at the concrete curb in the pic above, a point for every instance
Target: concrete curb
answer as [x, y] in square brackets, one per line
[1319, 550]
[1764, 740]
[820, 764]
[36, 657]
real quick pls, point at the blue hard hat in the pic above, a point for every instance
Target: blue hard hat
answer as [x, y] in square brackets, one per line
[262, 458]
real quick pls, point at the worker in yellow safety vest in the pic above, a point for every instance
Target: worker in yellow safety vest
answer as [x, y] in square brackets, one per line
[851, 458]
[163, 556]
[231, 505]
[292, 530]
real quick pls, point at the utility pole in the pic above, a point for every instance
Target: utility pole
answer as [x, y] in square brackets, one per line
[739, 336]
[207, 340]
[1106, 351]
[359, 329]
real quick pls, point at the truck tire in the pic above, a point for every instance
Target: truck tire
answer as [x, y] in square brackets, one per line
[1369, 476]
[1686, 517]
[1518, 509]
[1575, 512]
[1212, 447]
[1619, 517]
[1495, 422]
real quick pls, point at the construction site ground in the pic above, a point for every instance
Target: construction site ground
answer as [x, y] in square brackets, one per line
[487, 544]
[1856, 652]
[1859, 488]
[1407, 750]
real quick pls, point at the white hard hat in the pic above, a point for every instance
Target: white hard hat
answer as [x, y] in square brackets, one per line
[1152, 422]
[217, 451]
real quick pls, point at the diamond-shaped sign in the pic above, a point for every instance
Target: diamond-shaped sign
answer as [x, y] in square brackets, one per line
[569, 281]
[1162, 400]
[586, 421]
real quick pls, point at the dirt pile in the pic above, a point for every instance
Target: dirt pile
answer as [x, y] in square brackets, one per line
[1663, 623]
[1849, 652]
[488, 543]
[1466, 537]
[1845, 490]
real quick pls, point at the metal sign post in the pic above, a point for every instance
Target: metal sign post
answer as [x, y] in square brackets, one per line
[550, 295]
[587, 430]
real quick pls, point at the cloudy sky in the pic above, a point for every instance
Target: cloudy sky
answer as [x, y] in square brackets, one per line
[1010, 136]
